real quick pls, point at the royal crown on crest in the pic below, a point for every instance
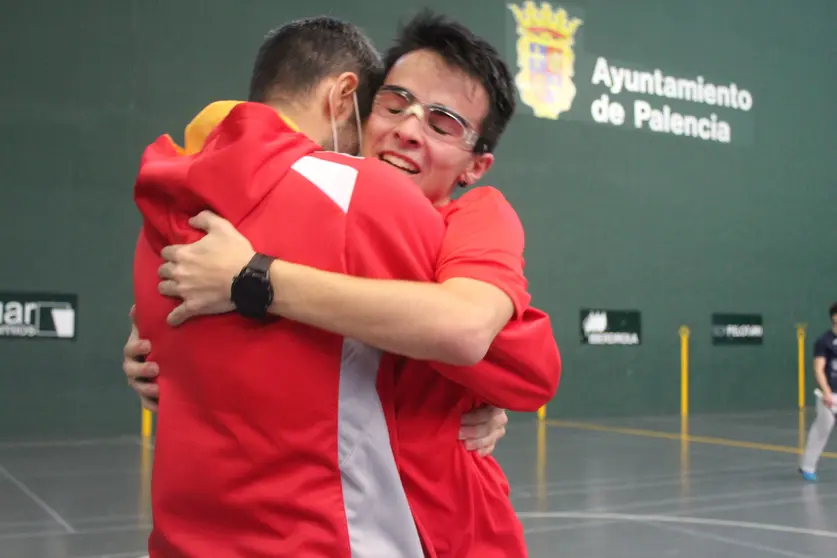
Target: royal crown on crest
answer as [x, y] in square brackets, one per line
[545, 25]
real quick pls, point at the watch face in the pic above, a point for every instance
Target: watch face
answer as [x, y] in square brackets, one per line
[251, 286]
[252, 294]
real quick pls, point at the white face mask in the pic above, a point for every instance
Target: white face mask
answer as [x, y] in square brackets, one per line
[334, 122]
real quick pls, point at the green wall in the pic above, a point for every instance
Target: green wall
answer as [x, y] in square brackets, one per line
[616, 218]
[678, 227]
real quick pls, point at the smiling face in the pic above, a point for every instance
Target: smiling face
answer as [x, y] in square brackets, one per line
[425, 121]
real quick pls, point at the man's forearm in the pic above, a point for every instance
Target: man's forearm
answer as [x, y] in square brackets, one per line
[521, 370]
[417, 320]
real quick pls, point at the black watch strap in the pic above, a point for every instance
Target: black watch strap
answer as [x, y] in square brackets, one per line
[260, 263]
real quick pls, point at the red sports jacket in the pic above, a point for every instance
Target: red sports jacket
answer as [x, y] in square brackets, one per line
[462, 500]
[271, 438]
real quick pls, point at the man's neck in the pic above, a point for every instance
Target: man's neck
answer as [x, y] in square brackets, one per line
[300, 119]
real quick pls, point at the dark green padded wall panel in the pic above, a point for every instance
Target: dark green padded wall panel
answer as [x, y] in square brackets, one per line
[616, 218]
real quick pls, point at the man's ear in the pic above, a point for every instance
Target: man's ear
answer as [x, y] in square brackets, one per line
[342, 96]
[480, 164]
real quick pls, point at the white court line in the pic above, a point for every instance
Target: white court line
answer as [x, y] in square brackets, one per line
[94, 531]
[681, 520]
[692, 499]
[604, 482]
[5, 525]
[77, 522]
[76, 473]
[35, 498]
[746, 505]
[730, 540]
[620, 488]
[70, 443]
[706, 509]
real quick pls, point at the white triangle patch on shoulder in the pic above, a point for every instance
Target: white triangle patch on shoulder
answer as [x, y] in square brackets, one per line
[333, 179]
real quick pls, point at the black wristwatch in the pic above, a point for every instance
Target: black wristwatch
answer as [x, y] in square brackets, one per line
[251, 292]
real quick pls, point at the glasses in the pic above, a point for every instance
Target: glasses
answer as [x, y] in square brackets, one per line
[444, 124]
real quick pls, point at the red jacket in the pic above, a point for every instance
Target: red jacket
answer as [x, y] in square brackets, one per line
[472, 517]
[271, 438]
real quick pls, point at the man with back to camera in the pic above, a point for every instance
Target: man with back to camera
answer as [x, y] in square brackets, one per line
[825, 373]
[272, 440]
[403, 140]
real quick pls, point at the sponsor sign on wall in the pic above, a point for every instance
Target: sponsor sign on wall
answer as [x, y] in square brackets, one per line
[610, 327]
[38, 316]
[737, 329]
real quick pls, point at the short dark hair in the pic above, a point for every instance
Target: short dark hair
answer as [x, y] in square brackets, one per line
[833, 310]
[297, 56]
[474, 56]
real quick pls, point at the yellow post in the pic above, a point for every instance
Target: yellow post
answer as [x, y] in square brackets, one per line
[684, 371]
[685, 484]
[542, 413]
[144, 499]
[685, 457]
[801, 430]
[147, 422]
[800, 340]
[541, 467]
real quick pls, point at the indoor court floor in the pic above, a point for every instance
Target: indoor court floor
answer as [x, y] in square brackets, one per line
[603, 489]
